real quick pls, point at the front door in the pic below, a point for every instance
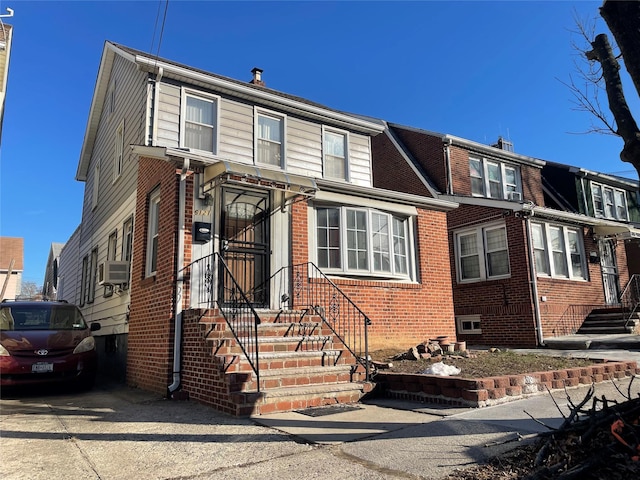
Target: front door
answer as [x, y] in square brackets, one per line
[609, 271]
[245, 241]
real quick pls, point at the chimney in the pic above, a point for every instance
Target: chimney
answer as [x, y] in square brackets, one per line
[257, 77]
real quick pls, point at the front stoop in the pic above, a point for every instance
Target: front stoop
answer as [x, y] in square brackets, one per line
[609, 321]
[302, 365]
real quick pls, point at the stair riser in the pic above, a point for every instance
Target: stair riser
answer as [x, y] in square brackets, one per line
[278, 347]
[299, 403]
[290, 381]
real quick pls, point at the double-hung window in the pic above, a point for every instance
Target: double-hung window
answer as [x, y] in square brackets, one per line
[118, 151]
[362, 241]
[558, 251]
[199, 121]
[270, 139]
[153, 233]
[609, 202]
[334, 148]
[482, 253]
[493, 179]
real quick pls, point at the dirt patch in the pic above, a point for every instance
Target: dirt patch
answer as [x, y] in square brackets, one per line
[480, 363]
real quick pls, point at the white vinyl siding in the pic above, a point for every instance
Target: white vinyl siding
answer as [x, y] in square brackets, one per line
[609, 202]
[482, 253]
[493, 179]
[95, 194]
[362, 241]
[559, 251]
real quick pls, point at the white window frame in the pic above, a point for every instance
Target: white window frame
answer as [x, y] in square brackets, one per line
[616, 206]
[469, 324]
[505, 187]
[282, 119]
[215, 101]
[118, 152]
[111, 98]
[93, 275]
[345, 136]
[482, 252]
[153, 232]
[403, 255]
[95, 193]
[565, 249]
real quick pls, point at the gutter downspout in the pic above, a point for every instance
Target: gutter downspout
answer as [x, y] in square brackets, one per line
[534, 282]
[447, 159]
[177, 334]
[156, 104]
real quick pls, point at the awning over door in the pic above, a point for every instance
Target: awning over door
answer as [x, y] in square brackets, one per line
[250, 175]
[622, 232]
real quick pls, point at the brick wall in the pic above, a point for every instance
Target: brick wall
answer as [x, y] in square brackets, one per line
[402, 314]
[149, 364]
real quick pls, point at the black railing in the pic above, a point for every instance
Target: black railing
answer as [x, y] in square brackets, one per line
[573, 318]
[232, 302]
[305, 288]
[630, 298]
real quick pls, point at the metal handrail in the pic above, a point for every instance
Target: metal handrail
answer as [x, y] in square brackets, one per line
[305, 287]
[241, 317]
[573, 317]
[630, 297]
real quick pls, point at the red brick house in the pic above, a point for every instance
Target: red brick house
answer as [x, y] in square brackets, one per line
[522, 272]
[233, 246]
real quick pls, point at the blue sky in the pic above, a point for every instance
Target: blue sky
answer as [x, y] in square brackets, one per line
[475, 69]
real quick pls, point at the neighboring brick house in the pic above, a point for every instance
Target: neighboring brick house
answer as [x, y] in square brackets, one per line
[11, 267]
[600, 195]
[216, 212]
[519, 268]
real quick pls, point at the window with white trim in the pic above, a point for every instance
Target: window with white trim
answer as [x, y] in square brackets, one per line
[558, 251]
[153, 233]
[493, 179]
[199, 122]
[118, 155]
[482, 253]
[609, 202]
[469, 324]
[334, 149]
[362, 241]
[270, 139]
[95, 194]
[93, 276]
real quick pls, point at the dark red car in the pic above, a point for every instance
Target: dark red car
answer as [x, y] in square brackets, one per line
[44, 342]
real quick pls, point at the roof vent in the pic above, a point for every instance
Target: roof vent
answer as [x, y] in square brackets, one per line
[257, 77]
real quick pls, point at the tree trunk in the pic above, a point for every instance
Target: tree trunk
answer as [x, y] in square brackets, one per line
[623, 19]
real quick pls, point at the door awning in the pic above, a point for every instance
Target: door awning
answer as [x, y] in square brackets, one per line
[622, 232]
[250, 175]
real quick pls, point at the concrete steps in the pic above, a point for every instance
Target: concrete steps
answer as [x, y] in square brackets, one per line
[608, 322]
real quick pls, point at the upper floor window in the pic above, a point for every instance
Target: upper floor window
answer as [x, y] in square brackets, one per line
[361, 240]
[118, 151]
[609, 202]
[153, 233]
[127, 240]
[270, 139]
[334, 147]
[494, 179]
[95, 194]
[482, 253]
[558, 251]
[199, 122]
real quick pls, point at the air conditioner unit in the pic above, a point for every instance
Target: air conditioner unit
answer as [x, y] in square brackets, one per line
[514, 196]
[113, 273]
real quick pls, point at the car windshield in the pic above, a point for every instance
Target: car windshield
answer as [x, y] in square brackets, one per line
[41, 317]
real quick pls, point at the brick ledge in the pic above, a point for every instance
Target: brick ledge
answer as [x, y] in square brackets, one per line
[488, 391]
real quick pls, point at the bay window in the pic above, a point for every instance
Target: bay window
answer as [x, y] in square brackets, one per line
[362, 241]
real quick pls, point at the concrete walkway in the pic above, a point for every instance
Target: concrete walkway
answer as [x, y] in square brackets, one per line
[115, 432]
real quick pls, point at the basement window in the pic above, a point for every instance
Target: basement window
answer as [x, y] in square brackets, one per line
[469, 324]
